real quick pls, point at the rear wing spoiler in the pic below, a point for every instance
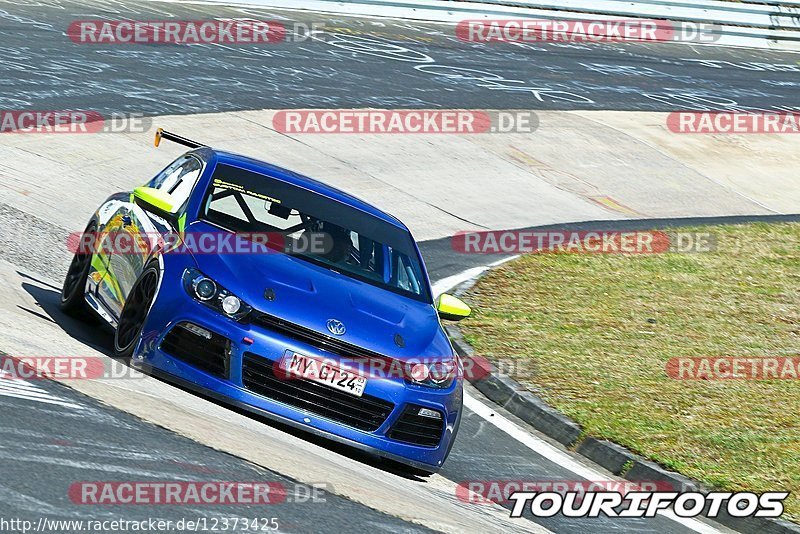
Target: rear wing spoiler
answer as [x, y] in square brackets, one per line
[162, 134]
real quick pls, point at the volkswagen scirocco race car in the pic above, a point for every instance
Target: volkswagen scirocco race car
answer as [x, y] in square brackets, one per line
[323, 320]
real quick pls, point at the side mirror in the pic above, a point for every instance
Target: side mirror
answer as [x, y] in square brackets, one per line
[155, 201]
[452, 309]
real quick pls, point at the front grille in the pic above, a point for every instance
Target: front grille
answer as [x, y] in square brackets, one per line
[417, 430]
[209, 355]
[364, 413]
[314, 338]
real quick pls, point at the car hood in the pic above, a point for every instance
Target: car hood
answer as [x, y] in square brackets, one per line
[310, 295]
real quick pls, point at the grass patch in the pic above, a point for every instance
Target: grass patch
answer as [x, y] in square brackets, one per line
[599, 330]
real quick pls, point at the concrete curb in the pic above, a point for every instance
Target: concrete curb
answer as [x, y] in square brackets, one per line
[515, 398]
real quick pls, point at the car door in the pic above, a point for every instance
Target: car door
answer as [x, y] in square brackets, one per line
[138, 230]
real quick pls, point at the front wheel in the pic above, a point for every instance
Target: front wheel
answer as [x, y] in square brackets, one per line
[73, 298]
[134, 313]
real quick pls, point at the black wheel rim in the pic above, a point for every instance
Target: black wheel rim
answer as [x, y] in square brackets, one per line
[135, 311]
[77, 272]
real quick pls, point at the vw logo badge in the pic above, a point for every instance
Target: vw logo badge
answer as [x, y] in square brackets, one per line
[336, 327]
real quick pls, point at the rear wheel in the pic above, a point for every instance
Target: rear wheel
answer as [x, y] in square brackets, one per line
[134, 313]
[73, 299]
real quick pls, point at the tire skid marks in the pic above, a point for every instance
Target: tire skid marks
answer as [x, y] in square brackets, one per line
[13, 455]
[25, 503]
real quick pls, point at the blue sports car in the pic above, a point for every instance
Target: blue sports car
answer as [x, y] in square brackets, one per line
[279, 294]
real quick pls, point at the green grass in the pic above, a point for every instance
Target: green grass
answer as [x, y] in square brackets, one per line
[596, 332]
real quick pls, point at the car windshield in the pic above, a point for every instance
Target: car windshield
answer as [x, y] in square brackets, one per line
[317, 229]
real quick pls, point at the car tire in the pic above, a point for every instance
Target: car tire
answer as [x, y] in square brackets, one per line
[135, 311]
[73, 292]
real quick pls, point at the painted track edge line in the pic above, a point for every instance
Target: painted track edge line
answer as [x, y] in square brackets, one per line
[551, 453]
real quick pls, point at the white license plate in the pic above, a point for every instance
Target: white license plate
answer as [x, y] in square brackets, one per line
[323, 372]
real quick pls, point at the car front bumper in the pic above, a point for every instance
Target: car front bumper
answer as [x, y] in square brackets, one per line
[258, 342]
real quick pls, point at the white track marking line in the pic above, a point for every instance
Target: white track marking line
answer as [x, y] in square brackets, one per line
[43, 401]
[549, 452]
[446, 284]
[25, 391]
[19, 389]
[18, 384]
[51, 400]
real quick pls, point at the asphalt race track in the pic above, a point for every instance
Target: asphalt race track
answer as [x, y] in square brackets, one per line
[60, 436]
[363, 63]
[52, 436]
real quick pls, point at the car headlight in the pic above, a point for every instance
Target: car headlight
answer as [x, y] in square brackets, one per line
[204, 288]
[432, 373]
[208, 292]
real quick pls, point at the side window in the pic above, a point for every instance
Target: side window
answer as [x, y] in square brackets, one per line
[179, 178]
[405, 276]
